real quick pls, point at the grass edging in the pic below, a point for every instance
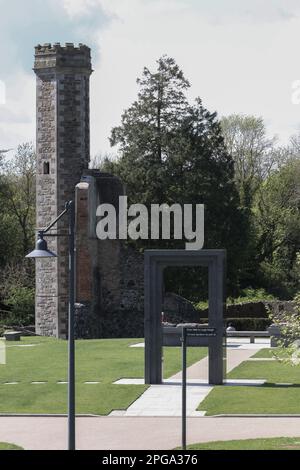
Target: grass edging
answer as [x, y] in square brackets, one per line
[8, 446]
[270, 443]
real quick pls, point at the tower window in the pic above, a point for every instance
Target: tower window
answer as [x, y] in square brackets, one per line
[46, 168]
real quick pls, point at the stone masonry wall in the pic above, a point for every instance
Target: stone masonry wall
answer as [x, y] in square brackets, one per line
[62, 154]
[126, 318]
[46, 147]
[110, 274]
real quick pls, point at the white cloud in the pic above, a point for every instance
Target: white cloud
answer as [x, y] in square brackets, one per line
[242, 64]
[78, 7]
[238, 56]
[17, 115]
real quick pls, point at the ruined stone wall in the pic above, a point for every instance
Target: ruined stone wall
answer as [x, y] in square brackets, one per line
[126, 319]
[110, 274]
[177, 309]
[62, 143]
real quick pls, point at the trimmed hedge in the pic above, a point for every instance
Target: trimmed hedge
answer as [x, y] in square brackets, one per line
[246, 324]
[249, 324]
[245, 310]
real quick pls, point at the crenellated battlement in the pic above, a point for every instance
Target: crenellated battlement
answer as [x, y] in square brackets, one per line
[49, 48]
[48, 56]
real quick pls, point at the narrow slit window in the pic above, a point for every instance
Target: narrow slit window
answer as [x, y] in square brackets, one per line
[46, 168]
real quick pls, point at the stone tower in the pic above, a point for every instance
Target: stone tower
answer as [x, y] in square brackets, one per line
[63, 152]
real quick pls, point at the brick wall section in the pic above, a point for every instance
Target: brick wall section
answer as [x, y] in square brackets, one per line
[62, 141]
[84, 268]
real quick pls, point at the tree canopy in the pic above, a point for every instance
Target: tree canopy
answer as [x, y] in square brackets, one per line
[252, 151]
[173, 151]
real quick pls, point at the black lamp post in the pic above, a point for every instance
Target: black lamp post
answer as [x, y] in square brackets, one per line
[41, 251]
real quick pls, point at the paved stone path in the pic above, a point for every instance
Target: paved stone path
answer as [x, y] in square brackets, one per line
[137, 433]
[165, 399]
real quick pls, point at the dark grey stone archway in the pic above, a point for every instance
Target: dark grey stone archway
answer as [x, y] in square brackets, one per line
[155, 262]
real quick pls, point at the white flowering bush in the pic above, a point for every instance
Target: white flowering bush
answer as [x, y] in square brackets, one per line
[288, 322]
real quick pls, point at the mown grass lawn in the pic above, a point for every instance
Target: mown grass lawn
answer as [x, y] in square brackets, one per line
[272, 371]
[103, 361]
[6, 446]
[280, 443]
[264, 353]
[269, 398]
[252, 400]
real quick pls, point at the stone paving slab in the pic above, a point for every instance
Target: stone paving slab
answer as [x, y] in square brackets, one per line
[128, 381]
[244, 344]
[234, 358]
[245, 382]
[117, 413]
[139, 433]
[191, 382]
[165, 399]
[238, 343]
[242, 341]
[230, 382]
[261, 359]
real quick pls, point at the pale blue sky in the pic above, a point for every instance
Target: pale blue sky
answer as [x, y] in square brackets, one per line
[240, 56]
[23, 24]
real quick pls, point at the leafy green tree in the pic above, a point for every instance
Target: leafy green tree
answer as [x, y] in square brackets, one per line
[10, 244]
[171, 151]
[2, 154]
[17, 293]
[295, 144]
[277, 220]
[10, 240]
[100, 161]
[148, 130]
[253, 153]
[18, 191]
[288, 322]
[17, 222]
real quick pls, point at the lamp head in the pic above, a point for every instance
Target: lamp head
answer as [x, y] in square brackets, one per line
[41, 249]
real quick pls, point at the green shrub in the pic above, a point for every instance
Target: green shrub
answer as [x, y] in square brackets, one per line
[17, 292]
[21, 301]
[251, 295]
[201, 305]
[247, 295]
[288, 322]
